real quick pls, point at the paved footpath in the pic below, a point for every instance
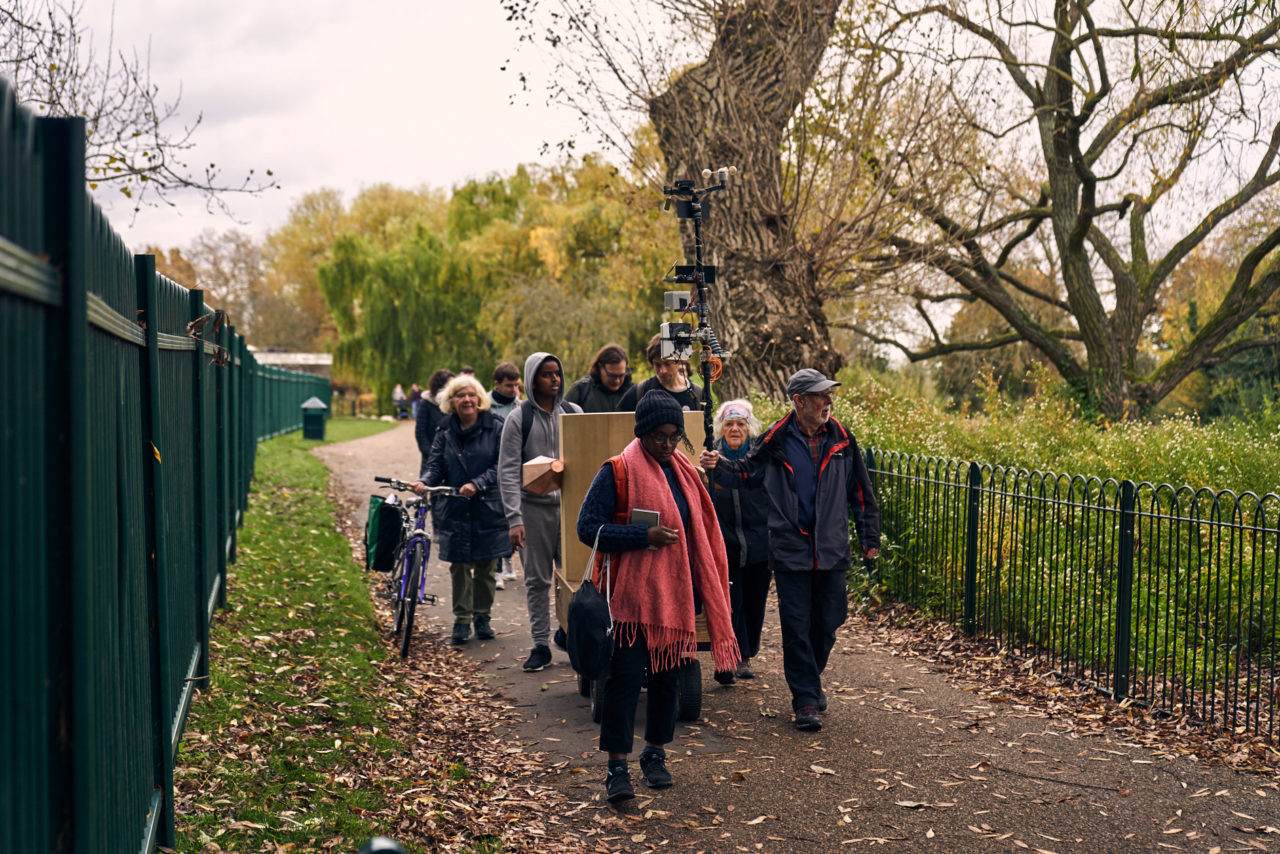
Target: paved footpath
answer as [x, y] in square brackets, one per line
[907, 758]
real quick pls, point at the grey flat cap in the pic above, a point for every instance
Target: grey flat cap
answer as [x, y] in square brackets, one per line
[808, 381]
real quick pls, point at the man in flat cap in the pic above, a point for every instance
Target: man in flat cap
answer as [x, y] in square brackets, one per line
[815, 477]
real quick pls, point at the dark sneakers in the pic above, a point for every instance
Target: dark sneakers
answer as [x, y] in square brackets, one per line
[483, 630]
[617, 784]
[807, 719]
[744, 671]
[725, 677]
[822, 702]
[461, 633]
[653, 763]
[538, 659]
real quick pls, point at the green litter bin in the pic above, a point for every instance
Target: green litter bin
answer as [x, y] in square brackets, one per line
[313, 415]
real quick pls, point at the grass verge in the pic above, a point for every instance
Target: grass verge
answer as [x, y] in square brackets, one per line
[269, 750]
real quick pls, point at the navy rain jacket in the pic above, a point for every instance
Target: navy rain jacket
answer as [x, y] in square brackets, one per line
[468, 529]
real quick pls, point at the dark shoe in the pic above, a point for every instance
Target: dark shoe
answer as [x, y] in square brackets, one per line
[483, 630]
[461, 633]
[560, 639]
[653, 763]
[538, 659]
[744, 671]
[725, 677]
[617, 785]
[822, 701]
[807, 719]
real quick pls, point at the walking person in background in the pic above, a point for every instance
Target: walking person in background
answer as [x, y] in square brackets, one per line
[669, 374]
[532, 430]
[659, 576]
[400, 402]
[744, 519]
[505, 396]
[471, 531]
[813, 473]
[429, 414]
[415, 396]
[606, 383]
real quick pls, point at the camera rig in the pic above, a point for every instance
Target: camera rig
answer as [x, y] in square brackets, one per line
[680, 338]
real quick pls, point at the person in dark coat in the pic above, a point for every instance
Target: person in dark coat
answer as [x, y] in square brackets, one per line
[429, 414]
[815, 477]
[606, 384]
[744, 520]
[471, 529]
[670, 375]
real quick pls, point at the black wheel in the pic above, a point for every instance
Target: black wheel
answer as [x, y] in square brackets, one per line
[689, 691]
[584, 685]
[597, 699]
[410, 602]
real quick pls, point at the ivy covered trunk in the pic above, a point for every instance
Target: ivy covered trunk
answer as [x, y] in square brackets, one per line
[733, 110]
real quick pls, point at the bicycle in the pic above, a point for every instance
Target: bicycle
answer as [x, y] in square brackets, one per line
[407, 583]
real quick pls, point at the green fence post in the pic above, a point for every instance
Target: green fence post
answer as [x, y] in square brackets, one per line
[66, 221]
[157, 581]
[1124, 593]
[198, 487]
[221, 467]
[971, 550]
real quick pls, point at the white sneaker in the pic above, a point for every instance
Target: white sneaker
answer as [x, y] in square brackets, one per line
[498, 579]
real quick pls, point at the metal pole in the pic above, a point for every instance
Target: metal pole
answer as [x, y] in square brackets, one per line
[1124, 591]
[971, 550]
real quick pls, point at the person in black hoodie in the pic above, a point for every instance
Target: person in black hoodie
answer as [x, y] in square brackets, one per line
[668, 374]
[606, 384]
[744, 522]
[471, 529]
[429, 415]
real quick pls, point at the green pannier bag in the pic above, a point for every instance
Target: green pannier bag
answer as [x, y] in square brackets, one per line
[382, 533]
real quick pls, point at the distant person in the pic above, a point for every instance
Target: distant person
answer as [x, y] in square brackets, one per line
[429, 415]
[744, 521]
[608, 380]
[668, 374]
[506, 389]
[470, 531]
[532, 430]
[400, 401]
[659, 575]
[467, 371]
[415, 396]
[505, 395]
[813, 472]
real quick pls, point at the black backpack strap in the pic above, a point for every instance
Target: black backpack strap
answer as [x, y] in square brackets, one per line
[526, 423]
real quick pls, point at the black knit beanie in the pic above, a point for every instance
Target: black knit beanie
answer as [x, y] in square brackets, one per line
[655, 409]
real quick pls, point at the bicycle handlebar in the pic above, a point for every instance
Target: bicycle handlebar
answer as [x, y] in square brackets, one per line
[404, 486]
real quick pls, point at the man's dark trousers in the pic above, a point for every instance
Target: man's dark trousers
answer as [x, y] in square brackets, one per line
[812, 604]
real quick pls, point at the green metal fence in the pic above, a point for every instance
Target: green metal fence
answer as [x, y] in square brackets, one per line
[128, 445]
[1167, 596]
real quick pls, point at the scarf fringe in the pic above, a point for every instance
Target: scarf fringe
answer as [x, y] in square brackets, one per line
[670, 647]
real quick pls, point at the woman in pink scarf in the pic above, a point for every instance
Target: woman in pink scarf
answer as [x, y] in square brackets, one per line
[661, 576]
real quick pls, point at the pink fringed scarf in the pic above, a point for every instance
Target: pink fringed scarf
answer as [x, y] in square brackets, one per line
[651, 588]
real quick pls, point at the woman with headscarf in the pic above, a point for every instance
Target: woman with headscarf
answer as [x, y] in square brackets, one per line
[659, 576]
[471, 530]
[744, 522]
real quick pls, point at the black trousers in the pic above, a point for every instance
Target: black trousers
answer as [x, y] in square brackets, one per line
[812, 604]
[748, 594]
[622, 693]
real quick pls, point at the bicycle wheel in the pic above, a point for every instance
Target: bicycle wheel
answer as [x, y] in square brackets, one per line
[417, 566]
[399, 591]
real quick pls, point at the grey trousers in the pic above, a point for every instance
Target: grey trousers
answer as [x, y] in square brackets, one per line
[541, 553]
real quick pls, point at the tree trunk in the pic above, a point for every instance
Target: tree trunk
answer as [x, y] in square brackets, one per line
[732, 110]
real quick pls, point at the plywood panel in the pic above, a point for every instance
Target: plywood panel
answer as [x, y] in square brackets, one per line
[586, 441]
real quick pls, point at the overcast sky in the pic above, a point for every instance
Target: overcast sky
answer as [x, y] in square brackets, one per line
[331, 93]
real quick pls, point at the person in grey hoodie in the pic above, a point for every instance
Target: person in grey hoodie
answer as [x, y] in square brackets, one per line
[532, 430]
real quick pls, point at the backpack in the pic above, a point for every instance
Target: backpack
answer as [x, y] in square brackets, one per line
[526, 419]
[620, 515]
[383, 532]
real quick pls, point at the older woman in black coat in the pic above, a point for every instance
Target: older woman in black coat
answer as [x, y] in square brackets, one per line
[471, 529]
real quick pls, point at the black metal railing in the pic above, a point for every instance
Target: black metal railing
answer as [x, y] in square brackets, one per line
[1166, 596]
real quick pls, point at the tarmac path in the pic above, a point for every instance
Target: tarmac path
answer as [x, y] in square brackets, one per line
[907, 759]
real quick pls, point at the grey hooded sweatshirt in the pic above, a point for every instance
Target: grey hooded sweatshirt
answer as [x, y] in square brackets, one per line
[544, 440]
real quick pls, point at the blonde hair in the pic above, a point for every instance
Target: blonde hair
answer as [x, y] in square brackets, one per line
[445, 398]
[753, 426]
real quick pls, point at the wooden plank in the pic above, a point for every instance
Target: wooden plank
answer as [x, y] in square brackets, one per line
[587, 440]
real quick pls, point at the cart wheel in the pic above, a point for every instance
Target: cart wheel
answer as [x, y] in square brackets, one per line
[597, 700]
[689, 691]
[584, 685]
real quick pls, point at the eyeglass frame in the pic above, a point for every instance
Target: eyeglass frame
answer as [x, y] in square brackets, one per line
[667, 440]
